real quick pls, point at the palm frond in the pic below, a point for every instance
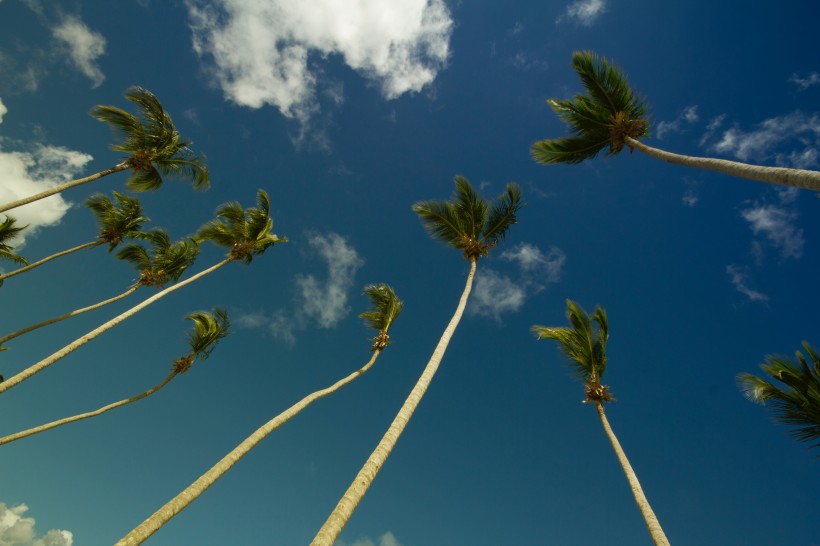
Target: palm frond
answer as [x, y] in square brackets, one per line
[385, 307]
[117, 221]
[503, 215]
[8, 231]
[209, 328]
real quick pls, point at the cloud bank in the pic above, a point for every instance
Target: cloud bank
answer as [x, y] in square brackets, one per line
[18, 530]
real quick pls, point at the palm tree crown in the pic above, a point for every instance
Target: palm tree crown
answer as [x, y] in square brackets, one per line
[209, 328]
[8, 230]
[153, 143]
[117, 221]
[468, 222]
[386, 306]
[166, 260]
[797, 402]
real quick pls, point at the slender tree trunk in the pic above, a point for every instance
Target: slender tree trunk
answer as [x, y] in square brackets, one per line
[354, 494]
[176, 505]
[46, 362]
[62, 187]
[38, 263]
[79, 417]
[74, 313]
[655, 531]
[799, 178]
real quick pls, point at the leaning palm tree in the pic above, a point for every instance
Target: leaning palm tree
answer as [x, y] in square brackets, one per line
[385, 308]
[165, 263]
[8, 231]
[245, 232]
[117, 221]
[152, 142]
[612, 116]
[584, 345]
[797, 402]
[467, 223]
[209, 328]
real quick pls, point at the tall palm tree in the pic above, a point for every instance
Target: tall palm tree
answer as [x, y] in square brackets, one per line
[474, 226]
[8, 230]
[612, 116]
[164, 263]
[584, 345]
[209, 328]
[152, 142]
[386, 306]
[246, 232]
[797, 402]
[117, 221]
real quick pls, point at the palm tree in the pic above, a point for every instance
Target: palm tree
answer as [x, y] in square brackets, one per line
[385, 308]
[797, 402]
[152, 142]
[209, 328]
[246, 232]
[467, 223]
[8, 230]
[612, 116]
[165, 263]
[117, 222]
[584, 345]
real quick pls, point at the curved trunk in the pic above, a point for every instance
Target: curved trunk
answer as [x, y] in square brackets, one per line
[79, 417]
[48, 361]
[655, 531]
[173, 507]
[62, 187]
[799, 178]
[74, 313]
[38, 263]
[354, 494]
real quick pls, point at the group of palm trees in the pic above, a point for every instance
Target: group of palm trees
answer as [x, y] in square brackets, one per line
[609, 117]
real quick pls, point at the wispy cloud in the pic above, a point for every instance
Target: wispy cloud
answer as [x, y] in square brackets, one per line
[777, 224]
[18, 530]
[3, 110]
[84, 47]
[387, 539]
[689, 115]
[739, 277]
[690, 197]
[804, 82]
[583, 12]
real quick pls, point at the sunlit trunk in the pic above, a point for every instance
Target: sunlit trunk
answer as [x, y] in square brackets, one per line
[38, 263]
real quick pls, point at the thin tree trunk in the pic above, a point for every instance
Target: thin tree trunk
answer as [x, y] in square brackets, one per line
[354, 494]
[799, 178]
[38, 263]
[176, 505]
[46, 362]
[79, 417]
[62, 187]
[652, 523]
[74, 313]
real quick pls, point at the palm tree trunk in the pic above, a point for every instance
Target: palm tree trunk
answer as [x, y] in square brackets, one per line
[46, 362]
[655, 531]
[74, 313]
[350, 500]
[62, 187]
[38, 263]
[799, 178]
[79, 417]
[176, 505]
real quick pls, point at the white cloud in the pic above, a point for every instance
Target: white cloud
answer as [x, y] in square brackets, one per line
[759, 143]
[739, 278]
[3, 110]
[804, 83]
[584, 12]
[537, 267]
[267, 53]
[18, 530]
[495, 294]
[777, 225]
[387, 539]
[84, 45]
[688, 115]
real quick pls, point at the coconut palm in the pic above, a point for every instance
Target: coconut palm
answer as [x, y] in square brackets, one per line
[246, 232]
[386, 306]
[584, 345]
[153, 146]
[797, 402]
[209, 328]
[164, 263]
[117, 221]
[8, 231]
[474, 226]
[612, 116]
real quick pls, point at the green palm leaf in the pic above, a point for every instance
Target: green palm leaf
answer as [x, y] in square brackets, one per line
[8, 231]
[117, 221]
[209, 328]
[165, 262]
[385, 307]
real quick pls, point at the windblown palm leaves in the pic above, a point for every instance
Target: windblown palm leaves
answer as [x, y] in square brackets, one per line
[8, 230]
[796, 402]
[165, 262]
[611, 115]
[386, 307]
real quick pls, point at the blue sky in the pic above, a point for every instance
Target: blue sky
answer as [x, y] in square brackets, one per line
[347, 113]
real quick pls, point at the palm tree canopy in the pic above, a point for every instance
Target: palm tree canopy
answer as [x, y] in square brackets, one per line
[600, 120]
[153, 143]
[468, 222]
[209, 328]
[8, 230]
[797, 402]
[385, 307]
[117, 221]
[165, 262]
[247, 233]
[584, 345]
